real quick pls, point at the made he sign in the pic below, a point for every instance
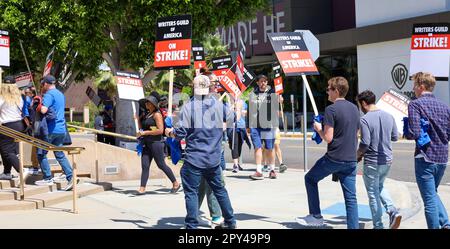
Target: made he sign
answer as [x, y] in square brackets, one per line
[4, 48]
[173, 42]
[396, 104]
[430, 49]
[292, 53]
[129, 86]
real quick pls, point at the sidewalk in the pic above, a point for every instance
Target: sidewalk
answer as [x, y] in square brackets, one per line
[270, 203]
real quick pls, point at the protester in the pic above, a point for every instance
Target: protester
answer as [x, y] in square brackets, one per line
[378, 129]
[201, 125]
[11, 104]
[237, 135]
[341, 122]
[151, 129]
[108, 124]
[53, 101]
[429, 126]
[278, 153]
[98, 125]
[262, 129]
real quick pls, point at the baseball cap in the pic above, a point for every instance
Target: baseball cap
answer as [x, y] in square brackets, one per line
[49, 79]
[201, 85]
[261, 76]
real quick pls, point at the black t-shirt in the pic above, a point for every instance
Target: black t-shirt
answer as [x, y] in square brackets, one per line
[344, 117]
[148, 122]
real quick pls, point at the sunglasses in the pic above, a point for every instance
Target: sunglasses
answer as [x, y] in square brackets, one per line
[330, 89]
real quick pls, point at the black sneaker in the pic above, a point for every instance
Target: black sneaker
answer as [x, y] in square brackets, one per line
[283, 168]
[226, 226]
[394, 219]
[240, 168]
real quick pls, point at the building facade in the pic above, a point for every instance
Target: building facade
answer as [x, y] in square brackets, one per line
[366, 41]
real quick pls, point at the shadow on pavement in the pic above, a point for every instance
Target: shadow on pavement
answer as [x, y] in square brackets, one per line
[295, 225]
[135, 193]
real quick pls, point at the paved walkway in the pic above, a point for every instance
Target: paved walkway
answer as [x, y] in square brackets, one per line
[270, 203]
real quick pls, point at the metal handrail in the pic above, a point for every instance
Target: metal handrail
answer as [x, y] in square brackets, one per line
[23, 138]
[103, 132]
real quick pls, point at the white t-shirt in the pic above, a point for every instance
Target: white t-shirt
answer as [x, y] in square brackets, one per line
[10, 113]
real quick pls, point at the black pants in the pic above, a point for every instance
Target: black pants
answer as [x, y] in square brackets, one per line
[236, 149]
[154, 150]
[9, 149]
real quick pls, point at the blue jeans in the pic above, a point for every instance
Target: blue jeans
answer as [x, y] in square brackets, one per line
[57, 140]
[374, 176]
[213, 204]
[191, 177]
[428, 177]
[346, 171]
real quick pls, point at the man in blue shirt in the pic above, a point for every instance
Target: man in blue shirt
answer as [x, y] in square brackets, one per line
[340, 131]
[55, 100]
[201, 125]
[430, 159]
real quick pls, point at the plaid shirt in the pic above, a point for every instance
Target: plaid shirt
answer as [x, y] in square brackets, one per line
[438, 115]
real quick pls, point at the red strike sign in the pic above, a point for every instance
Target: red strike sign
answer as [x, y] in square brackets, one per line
[278, 82]
[129, 81]
[173, 53]
[4, 41]
[227, 81]
[436, 41]
[296, 61]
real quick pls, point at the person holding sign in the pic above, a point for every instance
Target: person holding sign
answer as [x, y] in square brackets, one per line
[430, 159]
[201, 125]
[341, 122]
[378, 129]
[151, 129]
[262, 128]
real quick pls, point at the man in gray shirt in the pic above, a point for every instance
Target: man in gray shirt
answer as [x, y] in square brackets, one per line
[378, 129]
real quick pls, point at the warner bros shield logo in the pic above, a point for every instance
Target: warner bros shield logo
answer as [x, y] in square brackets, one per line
[399, 75]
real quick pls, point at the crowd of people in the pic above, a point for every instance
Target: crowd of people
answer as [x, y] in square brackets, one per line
[206, 122]
[40, 116]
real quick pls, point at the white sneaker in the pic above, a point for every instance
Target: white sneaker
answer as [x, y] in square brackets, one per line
[310, 221]
[60, 178]
[70, 185]
[44, 182]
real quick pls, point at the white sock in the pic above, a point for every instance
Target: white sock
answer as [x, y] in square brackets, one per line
[272, 167]
[259, 168]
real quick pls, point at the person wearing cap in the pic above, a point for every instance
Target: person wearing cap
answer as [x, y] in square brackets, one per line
[11, 103]
[151, 126]
[262, 126]
[55, 100]
[201, 125]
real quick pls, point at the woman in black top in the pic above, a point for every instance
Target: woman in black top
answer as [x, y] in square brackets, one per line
[152, 128]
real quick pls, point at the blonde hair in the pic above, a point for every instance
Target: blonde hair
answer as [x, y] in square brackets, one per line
[339, 83]
[11, 94]
[425, 79]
